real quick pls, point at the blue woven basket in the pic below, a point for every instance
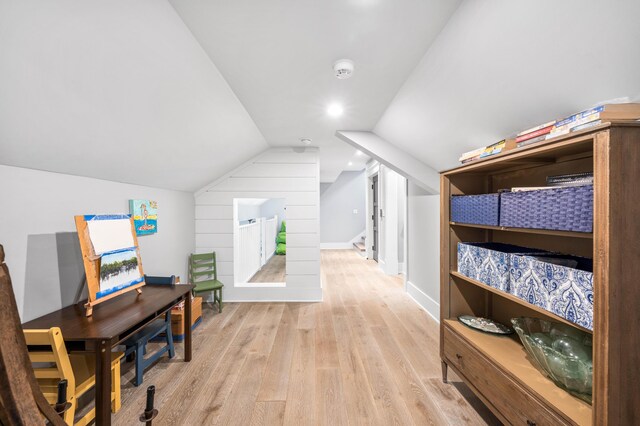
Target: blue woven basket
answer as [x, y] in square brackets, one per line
[481, 209]
[564, 209]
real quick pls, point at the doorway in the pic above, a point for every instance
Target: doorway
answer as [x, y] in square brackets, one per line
[374, 216]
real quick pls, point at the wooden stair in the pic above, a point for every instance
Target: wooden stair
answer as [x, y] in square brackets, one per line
[360, 247]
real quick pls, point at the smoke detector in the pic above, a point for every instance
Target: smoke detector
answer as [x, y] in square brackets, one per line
[343, 69]
[305, 141]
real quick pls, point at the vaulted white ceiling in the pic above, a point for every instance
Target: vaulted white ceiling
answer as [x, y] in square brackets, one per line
[175, 94]
[116, 90]
[277, 56]
[502, 66]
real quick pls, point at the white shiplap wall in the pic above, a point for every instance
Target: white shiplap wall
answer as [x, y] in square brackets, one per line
[289, 173]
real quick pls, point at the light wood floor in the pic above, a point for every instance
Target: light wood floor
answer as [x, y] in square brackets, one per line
[367, 355]
[272, 272]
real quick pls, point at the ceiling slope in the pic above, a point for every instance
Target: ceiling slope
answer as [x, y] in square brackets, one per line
[277, 56]
[501, 66]
[116, 90]
[396, 159]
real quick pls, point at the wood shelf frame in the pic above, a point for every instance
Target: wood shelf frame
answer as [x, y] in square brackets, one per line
[612, 152]
[527, 230]
[517, 300]
[511, 357]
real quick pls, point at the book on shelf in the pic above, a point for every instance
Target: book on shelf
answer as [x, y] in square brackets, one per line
[529, 188]
[587, 118]
[535, 129]
[571, 179]
[536, 133]
[487, 151]
[532, 141]
[470, 155]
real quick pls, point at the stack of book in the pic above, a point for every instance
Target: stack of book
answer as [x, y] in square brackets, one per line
[535, 134]
[575, 179]
[487, 151]
[571, 180]
[594, 116]
[580, 121]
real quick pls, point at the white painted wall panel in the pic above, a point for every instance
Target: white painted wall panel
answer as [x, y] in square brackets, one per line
[222, 254]
[302, 281]
[283, 170]
[278, 173]
[280, 157]
[214, 240]
[213, 212]
[301, 253]
[266, 183]
[302, 267]
[225, 198]
[303, 240]
[214, 226]
[302, 212]
[302, 226]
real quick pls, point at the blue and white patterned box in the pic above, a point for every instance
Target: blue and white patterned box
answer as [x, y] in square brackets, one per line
[564, 291]
[488, 263]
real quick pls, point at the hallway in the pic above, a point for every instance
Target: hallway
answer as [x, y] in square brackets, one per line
[366, 355]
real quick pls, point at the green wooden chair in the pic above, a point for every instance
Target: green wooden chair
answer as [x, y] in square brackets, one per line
[204, 274]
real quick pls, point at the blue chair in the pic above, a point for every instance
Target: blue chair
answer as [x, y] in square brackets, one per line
[137, 344]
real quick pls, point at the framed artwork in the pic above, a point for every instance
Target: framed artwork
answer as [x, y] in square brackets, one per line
[145, 216]
[119, 270]
[110, 255]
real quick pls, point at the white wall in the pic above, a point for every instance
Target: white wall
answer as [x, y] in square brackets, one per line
[292, 174]
[116, 90]
[501, 66]
[248, 211]
[38, 232]
[402, 201]
[272, 207]
[423, 252]
[339, 225]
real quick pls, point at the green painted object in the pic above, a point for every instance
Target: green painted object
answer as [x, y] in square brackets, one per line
[203, 273]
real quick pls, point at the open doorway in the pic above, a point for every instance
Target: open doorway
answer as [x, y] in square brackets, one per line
[259, 242]
[375, 196]
[386, 218]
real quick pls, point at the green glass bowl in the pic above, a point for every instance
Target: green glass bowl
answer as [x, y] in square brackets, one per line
[562, 352]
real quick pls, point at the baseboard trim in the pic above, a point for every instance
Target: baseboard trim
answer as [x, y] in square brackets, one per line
[429, 305]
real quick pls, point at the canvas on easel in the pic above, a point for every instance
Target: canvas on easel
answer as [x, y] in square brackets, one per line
[110, 255]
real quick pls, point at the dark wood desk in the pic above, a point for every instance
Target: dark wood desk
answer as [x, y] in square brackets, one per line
[111, 323]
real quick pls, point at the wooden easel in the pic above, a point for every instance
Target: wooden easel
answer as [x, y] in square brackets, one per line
[92, 266]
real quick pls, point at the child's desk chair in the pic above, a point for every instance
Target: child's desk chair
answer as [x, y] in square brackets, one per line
[52, 363]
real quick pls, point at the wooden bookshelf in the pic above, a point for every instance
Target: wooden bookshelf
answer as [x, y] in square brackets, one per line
[541, 312]
[497, 368]
[508, 354]
[527, 230]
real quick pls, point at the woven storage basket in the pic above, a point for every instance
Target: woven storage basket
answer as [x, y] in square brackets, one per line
[481, 209]
[564, 209]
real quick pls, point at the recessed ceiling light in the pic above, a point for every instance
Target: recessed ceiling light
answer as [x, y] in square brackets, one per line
[335, 110]
[359, 153]
[350, 163]
[305, 141]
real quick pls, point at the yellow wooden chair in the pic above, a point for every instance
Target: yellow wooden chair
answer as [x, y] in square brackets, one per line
[46, 347]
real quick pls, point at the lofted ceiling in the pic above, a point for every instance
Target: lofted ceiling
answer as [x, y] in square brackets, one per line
[499, 67]
[277, 56]
[116, 90]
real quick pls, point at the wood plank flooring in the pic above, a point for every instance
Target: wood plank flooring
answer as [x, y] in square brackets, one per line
[272, 272]
[367, 355]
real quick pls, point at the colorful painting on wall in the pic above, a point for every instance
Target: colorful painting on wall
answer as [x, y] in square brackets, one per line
[145, 216]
